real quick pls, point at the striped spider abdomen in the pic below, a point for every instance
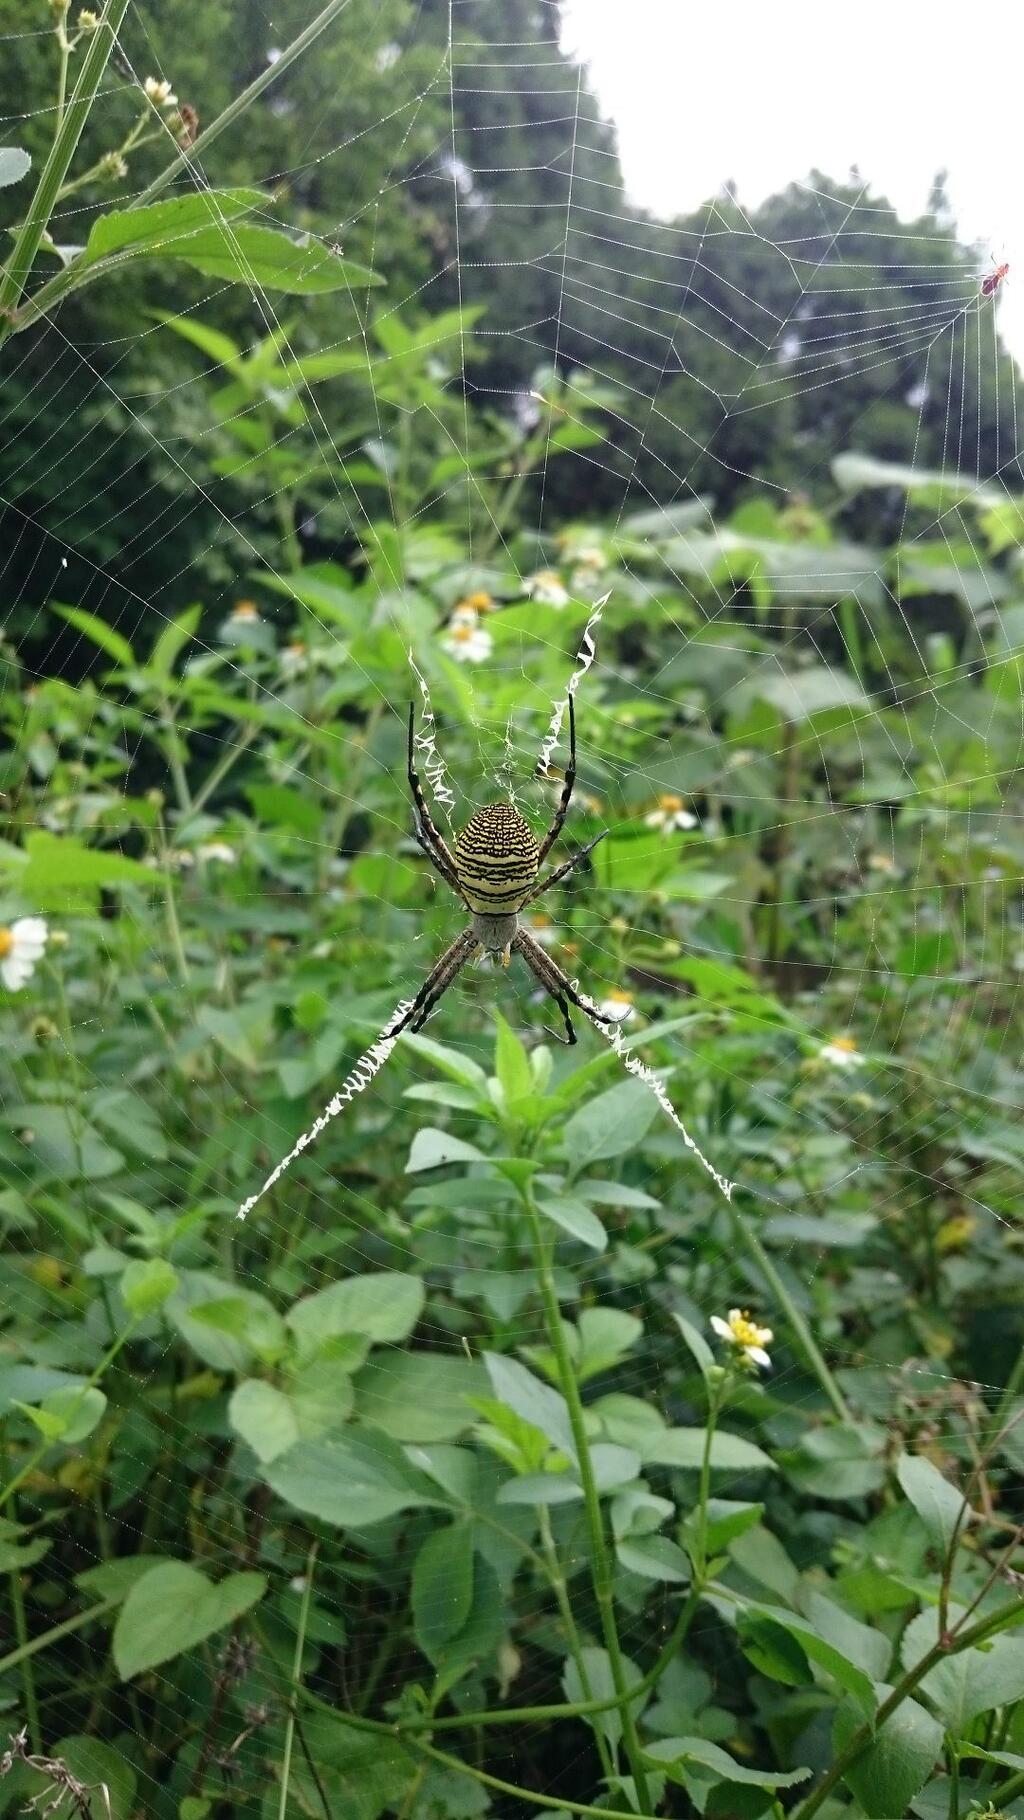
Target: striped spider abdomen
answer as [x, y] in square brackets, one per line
[496, 859]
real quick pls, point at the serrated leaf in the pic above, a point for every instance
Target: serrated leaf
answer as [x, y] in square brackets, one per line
[14, 165]
[168, 229]
[896, 1763]
[351, 1480]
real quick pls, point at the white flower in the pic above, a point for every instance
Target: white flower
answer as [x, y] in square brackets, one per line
[842, 1052]
[670, 814]
[217, 849]
[294, 659]
[617, 1005]
[741, 1331]
[160, 92]
[21, 946]
[546, 588]
[465, 638]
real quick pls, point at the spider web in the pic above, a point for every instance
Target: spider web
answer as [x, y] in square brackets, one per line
[652, 471]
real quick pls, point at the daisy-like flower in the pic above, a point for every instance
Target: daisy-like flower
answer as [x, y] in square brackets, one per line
[294, 658]
[217, 849]
[480, 602]
[742, 1332]
[841, 1052]
[244, 612]
[160, 92]
[546, 588]
[21, 947]
[465, 639]
[670, 814]
[617, 1005]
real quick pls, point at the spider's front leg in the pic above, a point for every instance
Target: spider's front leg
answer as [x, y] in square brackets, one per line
[557, 985]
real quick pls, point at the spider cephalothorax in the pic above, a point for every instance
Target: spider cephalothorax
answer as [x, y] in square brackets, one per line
[494, 869]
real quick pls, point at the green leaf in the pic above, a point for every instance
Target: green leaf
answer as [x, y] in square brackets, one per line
[832, 1657]
[938, 1503]
[14, 165]
[654, 1558]
[146, 1285]
[512, 1064]
[600, 1685]
[442, 1587]
[383, 1306]
[973, 1681]
[350, 1480]
[172, 641]
[575, 1218]
[897, 1762]
[67, 1416]
[99, 1767]
[114, 1579]
[265, 258]
[697, 1344]
[264, 1417]
[605, 1335]
[62, 875]
[535, 1402]
[100, 633]
[452, 1062]
[685, 1447]
[420, 1396]
[432, 1149]
[167, 229]
[614, 1122]
[678, 1755]
[174, 1607]
[63, 1144]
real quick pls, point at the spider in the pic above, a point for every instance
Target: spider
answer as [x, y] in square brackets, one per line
[494, 869]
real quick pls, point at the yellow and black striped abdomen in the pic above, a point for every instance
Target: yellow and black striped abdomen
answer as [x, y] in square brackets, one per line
[496, 859]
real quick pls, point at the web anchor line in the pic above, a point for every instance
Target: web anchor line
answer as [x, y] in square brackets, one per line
[365, 1070]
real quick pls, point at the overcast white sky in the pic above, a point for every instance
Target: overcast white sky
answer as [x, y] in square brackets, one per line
[763, 93]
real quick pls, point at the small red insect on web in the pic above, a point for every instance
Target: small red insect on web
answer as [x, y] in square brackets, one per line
[991, 282]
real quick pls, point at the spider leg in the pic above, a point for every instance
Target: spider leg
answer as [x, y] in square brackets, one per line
[563, 802]
[561, 871]
[437, 982]
[556, 984]
[427, 834]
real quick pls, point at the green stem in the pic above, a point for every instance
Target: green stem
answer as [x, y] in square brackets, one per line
[65, 144]
[190, 156]
[809, 1347]
[300, 1644]
[600, 1564]
[44, 1446]
[700, 1548]
[556, 1580]
[947, 1645]
[28, 1680]
[16, 1657]
[224, 764]
[1013, 1384]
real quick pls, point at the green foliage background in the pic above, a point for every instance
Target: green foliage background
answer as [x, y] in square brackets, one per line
[429, 1491]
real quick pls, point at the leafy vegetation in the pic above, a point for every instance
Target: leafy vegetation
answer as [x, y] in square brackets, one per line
[454, 1480]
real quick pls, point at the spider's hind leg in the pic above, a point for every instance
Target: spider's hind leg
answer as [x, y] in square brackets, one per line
[556, 984]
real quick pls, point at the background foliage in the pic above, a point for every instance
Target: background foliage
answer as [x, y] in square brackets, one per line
[383, 1502]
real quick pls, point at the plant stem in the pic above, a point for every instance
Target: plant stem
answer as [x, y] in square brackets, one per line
[44, 1446]
[300, 1644]
[556, 1579]
[189, 156]
[752, 1243]
[15, 1657]
[700, 1548]
[945, 1645]
[600, 1565]
[28, 1680]
[65, 144]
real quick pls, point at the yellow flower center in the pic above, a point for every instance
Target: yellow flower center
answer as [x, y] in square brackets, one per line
[845, 1043]
[670, 804]
[6, 942]
[462, 631]
[617, 997]
[745, 1331]
[480, 603]
[246, 609]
